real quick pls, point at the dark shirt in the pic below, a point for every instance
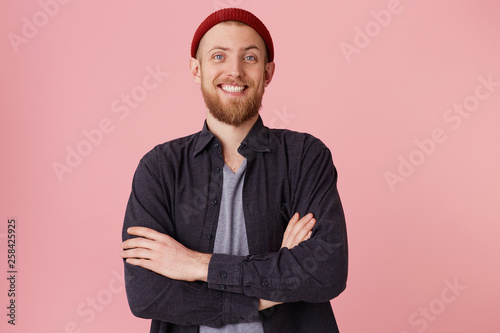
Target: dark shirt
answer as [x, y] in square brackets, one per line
[176, 190]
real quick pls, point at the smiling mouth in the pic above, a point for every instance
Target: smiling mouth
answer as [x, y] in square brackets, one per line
[232, 88]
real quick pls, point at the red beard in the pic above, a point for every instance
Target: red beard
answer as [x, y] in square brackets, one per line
[234, 112]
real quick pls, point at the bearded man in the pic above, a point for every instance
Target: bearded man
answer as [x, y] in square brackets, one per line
[236, 228]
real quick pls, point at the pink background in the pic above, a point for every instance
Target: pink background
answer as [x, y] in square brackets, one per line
[435, 226]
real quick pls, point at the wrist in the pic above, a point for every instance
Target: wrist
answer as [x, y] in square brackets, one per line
[203, 263]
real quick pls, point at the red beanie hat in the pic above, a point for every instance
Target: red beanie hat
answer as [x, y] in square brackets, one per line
[233, 14]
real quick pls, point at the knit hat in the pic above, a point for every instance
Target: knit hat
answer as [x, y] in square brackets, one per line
[233, 14]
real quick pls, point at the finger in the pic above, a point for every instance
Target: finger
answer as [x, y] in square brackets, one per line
[306, 229]
[297, 227]
[145, 232]
[137, 254]
[138, 242]
[140, 262]
[299, 231]
[147, 264]
[291, 224]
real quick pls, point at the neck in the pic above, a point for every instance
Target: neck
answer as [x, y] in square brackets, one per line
[230, 136]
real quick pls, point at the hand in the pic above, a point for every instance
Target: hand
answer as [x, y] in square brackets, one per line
[298, 230]
[164, 255]
[265, 304]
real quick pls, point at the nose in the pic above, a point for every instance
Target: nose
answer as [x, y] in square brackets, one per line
[235, 68]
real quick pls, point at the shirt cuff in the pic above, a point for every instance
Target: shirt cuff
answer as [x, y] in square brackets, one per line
[225, 273]
[239, 308]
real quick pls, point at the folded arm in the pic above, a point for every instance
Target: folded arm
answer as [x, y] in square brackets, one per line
[313, 271]
[310, 269]
[154, 296]
[164, 255]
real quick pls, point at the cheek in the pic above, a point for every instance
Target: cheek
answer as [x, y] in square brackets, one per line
[258, 76]
[210, 73]
[208, 82]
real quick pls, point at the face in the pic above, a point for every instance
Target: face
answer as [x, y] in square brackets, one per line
[233, 71]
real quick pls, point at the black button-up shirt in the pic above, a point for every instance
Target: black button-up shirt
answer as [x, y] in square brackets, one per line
[176, 190]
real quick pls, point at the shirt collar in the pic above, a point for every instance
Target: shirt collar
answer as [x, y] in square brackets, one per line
[257, 139]
[204, 139]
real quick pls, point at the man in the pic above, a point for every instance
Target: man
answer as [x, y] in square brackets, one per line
[237, 228]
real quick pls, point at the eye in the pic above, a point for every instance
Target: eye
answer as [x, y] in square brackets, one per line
[218, 57]
[250, 58]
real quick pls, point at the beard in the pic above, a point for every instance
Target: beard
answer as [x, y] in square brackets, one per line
[236, 111]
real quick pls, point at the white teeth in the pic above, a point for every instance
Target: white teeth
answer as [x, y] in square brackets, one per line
[230, 88]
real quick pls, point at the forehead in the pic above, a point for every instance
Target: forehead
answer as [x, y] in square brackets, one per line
[232, 35]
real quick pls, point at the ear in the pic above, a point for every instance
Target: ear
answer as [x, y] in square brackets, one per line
[194, 66]
[268, 75]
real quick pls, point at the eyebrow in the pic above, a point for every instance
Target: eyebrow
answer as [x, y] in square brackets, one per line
[251, 47]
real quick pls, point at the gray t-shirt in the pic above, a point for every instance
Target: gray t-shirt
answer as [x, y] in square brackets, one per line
[231, 236]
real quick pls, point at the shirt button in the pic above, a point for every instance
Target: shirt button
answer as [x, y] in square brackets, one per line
[214, 202]
[223, 275]
[208, 236]
[241, 318]
[217, 170]
[264, 283]
[222, 287]
[216, 145]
